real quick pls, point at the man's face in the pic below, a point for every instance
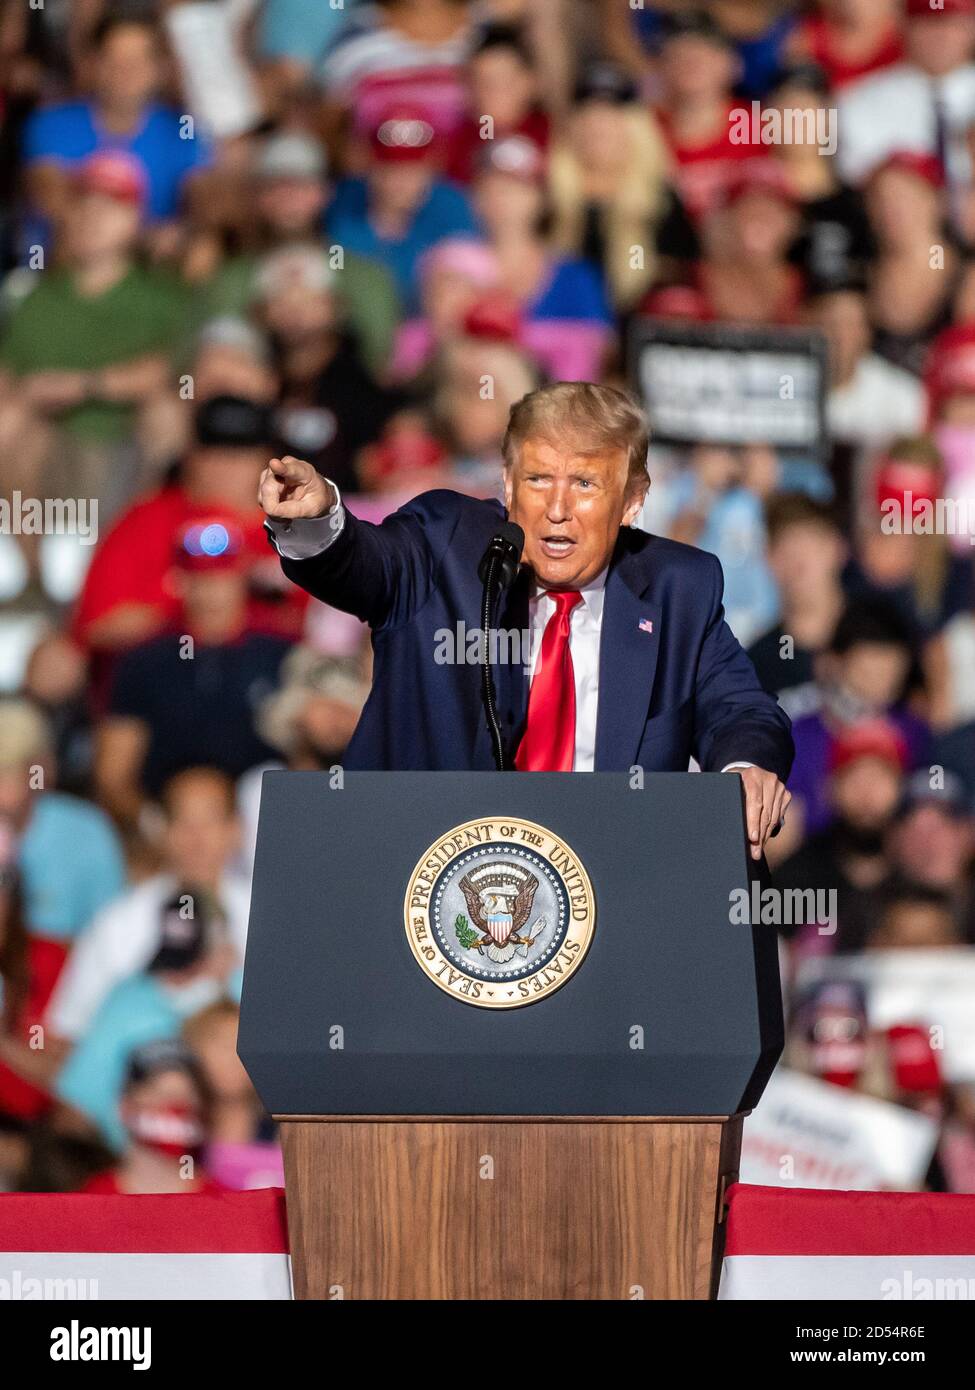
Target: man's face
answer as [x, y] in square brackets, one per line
[296, 313]
[571, 507]
[501, 86]
[100, 226]
[202, 832]
[695, 67]
[765, 225]
[211, 597]
[933, 846]
[875, 672]
[400, 186]
[806, 558]
[225, 474]
[504, 201]
[291, 206]
[866, 791]
[127, 67]
[940, 43]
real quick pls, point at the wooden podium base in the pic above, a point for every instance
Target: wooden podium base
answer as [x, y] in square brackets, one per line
[458, 1207]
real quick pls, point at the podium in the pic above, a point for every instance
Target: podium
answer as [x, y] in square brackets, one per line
[510, 1025]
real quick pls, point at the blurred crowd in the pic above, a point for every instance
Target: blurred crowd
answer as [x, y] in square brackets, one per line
[358, 233]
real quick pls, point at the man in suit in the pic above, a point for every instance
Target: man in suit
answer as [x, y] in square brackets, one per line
[629, 660]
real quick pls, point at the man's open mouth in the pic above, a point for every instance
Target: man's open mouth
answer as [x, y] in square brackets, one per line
[556, 547]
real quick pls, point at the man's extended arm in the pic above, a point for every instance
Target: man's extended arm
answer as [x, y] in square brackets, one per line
[379, 573]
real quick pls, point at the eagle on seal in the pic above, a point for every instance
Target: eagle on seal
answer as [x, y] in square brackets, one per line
[499, 910]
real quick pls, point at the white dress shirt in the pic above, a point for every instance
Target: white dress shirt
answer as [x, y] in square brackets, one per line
[301, 539]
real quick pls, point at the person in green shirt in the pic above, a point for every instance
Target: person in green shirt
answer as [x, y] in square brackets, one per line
[87, 351]
[290, 194]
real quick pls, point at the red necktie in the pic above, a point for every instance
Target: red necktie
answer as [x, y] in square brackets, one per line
[549, 742]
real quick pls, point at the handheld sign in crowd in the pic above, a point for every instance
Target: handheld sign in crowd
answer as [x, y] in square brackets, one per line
[809, 1133]
[706, 383]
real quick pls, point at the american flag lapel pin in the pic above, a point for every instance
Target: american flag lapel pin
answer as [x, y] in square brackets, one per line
[646, 625]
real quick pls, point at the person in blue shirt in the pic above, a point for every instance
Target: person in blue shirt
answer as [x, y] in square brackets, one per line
[121, 113]
[294, 35]
[401, 207]
[68, 854]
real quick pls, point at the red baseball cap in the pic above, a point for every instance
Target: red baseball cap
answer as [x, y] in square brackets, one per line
[760, 176]
[213, 543]
[495, 316]
[926, 167]
[898, 478]
[676, 302]
[933, 9]
[869, 738]
[116, 175]
[951, 364]
[403, 133]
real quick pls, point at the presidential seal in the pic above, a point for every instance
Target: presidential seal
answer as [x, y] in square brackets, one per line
[499, 913]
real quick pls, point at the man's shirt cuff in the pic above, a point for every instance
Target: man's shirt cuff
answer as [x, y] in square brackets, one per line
[304, 537]
[730, 767]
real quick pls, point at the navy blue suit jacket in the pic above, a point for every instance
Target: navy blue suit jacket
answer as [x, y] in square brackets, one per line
[673, 679]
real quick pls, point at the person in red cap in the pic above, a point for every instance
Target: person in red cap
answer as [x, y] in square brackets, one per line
[951, 392]
[399, 51]
[923, 104]
[188, 697]
[865, 765]
[86, 355]
[850, 39]
[950, 376]
[402, 206]
[745, 275]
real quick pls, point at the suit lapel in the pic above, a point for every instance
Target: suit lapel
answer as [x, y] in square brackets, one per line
[627, 661]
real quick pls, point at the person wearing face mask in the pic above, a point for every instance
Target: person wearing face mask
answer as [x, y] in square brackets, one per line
[164, 1108]
[829, 1035]
[194, 965]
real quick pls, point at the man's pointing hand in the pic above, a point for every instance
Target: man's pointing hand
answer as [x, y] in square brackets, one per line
[292, 488]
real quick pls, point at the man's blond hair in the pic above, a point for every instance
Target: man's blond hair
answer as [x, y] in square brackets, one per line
[587, 417]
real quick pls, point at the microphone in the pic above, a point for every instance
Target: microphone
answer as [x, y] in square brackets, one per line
[498, 567]
[506, 546]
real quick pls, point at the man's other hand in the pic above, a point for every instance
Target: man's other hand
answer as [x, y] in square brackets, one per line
[292, 488]
[766, 799]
